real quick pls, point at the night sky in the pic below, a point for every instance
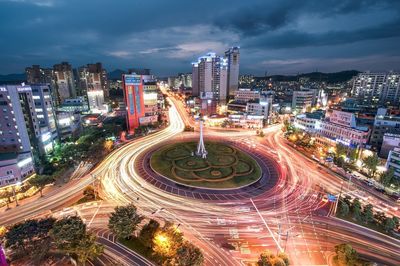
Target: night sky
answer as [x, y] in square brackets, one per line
[281, 37]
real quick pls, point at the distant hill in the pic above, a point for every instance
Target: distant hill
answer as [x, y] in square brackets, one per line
[116, 74]
[335, 77]
[12, 78]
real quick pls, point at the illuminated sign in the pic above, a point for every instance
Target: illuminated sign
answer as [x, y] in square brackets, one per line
[24, 89]
[3, 89]
[133, 80]
[24, 162]
[137, 97]
[46, 136]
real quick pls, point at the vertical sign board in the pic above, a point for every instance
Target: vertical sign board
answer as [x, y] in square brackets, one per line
[133, 92]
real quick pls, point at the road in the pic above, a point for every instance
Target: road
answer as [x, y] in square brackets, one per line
[290, 215]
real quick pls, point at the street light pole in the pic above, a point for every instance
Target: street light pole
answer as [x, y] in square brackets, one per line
[337, 201]
[15, 196]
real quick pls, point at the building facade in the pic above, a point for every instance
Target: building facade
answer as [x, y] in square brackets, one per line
[377, 88]
[233, 56]
[133, 95]
[64, 86]
[18, 126]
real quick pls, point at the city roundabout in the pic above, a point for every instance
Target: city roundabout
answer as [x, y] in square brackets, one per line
[224, 166]
[229, 171]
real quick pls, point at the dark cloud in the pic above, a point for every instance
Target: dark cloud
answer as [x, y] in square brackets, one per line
[167, 35]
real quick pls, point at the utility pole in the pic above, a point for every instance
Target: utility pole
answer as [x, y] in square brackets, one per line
[15, 196]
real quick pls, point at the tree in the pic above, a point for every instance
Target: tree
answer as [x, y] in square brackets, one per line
[70, 236]
[267, 258]
[387, 177]
[356, 209]
[167, 240]
[68, 232]
[7, 194]
[368, 213]
[389, 224]
[261, 134]
[89, 193]
[148, 232]
[347, 200]
[396, 221]
[344, 209]
[189, 255]
[30, 238]
[371, 163]
[123, 221]
[40, 181]
[341, 150]
[345, 255]
[87, 248]
[380, 217]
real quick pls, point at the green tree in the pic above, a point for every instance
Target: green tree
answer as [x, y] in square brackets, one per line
[148, 232]
[89, 193]
[40, 181]
[87, 248]
[356, 209]
[267, 258]
[368, 213]
[387, 177]
[30, 239]
[123, 221]
[345, 255]
[6, 194]
[353, 154]
[261, 134]
[341, 150]
[396, 221]
[371, 163]
[70, 236]
[344, 209]
[389, 224]
[189, 255]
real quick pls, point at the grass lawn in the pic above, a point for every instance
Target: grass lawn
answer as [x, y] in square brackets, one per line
[224, 167]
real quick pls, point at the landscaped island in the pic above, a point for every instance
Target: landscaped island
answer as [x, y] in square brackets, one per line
[225, 166]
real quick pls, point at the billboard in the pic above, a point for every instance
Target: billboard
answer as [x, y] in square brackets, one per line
[133, 80]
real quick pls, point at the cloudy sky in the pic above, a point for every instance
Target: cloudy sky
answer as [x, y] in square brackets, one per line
[281, 37]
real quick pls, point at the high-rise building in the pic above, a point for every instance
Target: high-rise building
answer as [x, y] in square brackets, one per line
[45, 115]
[64, 82]
[195, 79]
[18, 128]
[133, 95]
[219, 75]
[233, 56]
[37, 75]
[377, 88]
[92, 77]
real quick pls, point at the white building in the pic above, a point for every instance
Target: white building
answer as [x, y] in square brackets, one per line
[338, 127]
[374, 88]
[390, 141]
[245, 95]
[18, 124]
[393, 161]
[303, 99]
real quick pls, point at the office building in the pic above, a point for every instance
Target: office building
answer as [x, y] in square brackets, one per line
[64, 87]
[18, 127]
[377, 88]
[133, 95]
[383, 124]
[46, 116]
[304, 99]
[69, 124]
[393, 162]
[390, 141]
[245, 95]
[78, 104]
[232, 56]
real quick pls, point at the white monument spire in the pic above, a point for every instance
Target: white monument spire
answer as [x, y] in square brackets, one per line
[201, 149]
